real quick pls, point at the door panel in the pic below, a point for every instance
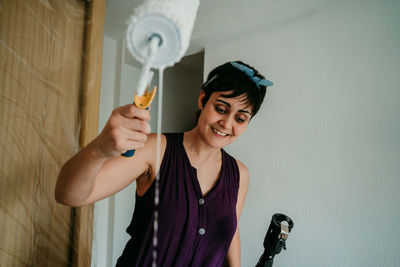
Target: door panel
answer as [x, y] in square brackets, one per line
[43, 72]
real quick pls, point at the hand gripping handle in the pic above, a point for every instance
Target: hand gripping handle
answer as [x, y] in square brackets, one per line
[142, 102]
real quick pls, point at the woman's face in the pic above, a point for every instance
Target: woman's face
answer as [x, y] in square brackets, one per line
[223, 120]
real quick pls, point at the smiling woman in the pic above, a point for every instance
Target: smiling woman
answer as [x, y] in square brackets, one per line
[202, 188]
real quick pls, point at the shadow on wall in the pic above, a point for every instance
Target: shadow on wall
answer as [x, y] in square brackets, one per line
[182, 86]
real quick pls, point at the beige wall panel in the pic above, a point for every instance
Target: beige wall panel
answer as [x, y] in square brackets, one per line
[41, 58]
[90, 114]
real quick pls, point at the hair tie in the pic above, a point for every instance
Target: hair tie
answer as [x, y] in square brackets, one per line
[250, 73]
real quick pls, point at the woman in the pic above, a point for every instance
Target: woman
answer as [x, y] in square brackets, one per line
[202, 188]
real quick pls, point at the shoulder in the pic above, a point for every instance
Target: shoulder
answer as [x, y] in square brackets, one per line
[165, 137]
[244, 174]
[242, 169]
[152, 140]
[243, 187]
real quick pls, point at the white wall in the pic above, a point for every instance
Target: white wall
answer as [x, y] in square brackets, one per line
[325, 147]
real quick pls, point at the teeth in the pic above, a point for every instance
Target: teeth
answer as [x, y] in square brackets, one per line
[219, 133]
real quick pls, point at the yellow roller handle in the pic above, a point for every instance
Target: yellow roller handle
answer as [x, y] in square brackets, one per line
[142, 102]
[145, 100]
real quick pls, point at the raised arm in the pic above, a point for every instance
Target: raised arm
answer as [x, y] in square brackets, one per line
[99, 170]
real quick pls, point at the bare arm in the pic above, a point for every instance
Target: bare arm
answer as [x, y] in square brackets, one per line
[98, 170]
[233, 257]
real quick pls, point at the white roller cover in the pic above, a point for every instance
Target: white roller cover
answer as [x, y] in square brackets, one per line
[173, 20]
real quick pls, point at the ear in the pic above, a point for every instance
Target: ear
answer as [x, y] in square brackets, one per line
[200, 99]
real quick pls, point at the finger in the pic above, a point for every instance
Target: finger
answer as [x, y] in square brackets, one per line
[128, 140]
[133, 136]
[131, 145]
[131, 111]
[136, 125]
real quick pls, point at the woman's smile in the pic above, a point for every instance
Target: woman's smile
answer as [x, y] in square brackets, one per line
[219, 133]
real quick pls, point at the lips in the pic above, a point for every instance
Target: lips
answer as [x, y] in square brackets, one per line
[219, 132]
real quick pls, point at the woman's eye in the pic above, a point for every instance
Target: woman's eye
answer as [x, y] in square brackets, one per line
[220, 110]
[241, 119]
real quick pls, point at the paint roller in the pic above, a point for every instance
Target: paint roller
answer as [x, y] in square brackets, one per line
[158, 36]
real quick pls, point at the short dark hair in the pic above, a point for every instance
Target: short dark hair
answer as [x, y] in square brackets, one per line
[229, 78]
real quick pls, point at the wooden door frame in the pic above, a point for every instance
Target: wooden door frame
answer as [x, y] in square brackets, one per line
[82, 224]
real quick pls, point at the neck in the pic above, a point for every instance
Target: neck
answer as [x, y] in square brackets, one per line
[197, 149]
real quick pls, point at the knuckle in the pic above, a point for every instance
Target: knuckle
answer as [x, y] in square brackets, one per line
[144, 137]
[139, 144]
[118, 145]
[143, 125]
[147, 128]
[113, 122]
[132, 110]
[147, 115]
[139, 137]
[115, 134]
[116, 112]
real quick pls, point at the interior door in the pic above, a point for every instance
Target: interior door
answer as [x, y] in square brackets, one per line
[50, 58]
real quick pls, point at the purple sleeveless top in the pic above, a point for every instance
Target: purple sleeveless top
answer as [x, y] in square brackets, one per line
[193, 230]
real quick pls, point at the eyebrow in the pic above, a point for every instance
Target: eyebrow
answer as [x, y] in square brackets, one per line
[229, 106]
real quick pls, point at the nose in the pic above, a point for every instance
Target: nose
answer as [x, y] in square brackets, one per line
[227, 122]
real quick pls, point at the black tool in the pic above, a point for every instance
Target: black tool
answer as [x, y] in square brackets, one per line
[275, 239]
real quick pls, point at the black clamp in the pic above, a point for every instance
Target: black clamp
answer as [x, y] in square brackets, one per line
[275, 238]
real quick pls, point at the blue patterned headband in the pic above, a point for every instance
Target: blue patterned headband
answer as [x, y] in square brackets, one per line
[250, 73]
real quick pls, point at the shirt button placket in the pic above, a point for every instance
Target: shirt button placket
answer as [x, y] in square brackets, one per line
[202, 231]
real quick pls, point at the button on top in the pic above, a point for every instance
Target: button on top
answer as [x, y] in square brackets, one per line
[202, 231]
[201, 201]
